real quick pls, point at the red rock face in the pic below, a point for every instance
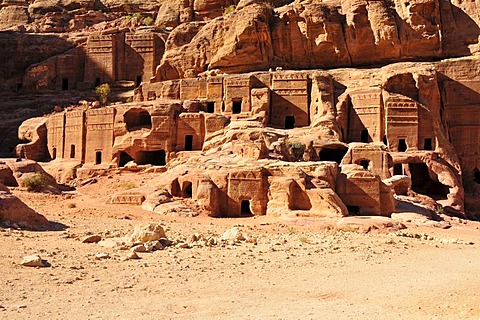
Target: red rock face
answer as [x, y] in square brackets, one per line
[416, 118]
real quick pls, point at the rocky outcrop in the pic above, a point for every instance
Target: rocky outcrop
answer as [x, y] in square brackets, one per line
[15, 213]
[239, 42]
[35, 131]
[307, 34]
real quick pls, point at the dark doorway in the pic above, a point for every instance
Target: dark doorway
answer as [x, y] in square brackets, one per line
[364, 136]
[97, 82]
[245, 208]
[65, 84]
[332, 154]
[210, 107]
[124, 159]
[98, 157]
[365, 164]
[476, 175]
[353, 210]
[138, 81]
[385, 141]
[289, 122]
[187, 189]
[19, 86]
[427, 145]
[144, 119]
[156, 158]
[137, 119]
[188, 142]
[72, 151]
[237, 107]
[402, 145]
[397, 169]
[54, 153]
[424, 184]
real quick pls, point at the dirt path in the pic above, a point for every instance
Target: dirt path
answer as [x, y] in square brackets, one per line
[295, 271]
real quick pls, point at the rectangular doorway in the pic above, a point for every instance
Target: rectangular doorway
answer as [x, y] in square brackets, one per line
[188, 142]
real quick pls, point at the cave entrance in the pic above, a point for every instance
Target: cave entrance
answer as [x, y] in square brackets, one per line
[402, 145]
[210, 107]
[98, 157]
[353, 210]
[336, 155]
[137, 119]
[65, 84]
[397, 169]
[124, 158]
[237, 106]
[289, 122]
[245, 209]
[188, 142]
[476, 175]
[423, 183]
[155, 158]
[187, 189]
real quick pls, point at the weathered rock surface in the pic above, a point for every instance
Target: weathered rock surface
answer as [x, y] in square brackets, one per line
[15, 213]
[147, 232]
[34, 261]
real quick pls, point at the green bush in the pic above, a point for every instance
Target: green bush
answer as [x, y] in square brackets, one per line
[148, 21]
[36, 182]
[228, 10]
[296, 150]
[103, 91]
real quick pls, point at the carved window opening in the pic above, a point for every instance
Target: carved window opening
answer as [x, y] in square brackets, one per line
[72, 151]
[65, 84]
[427, 145]
[402, 145]
[365, 164]
[156, 158]
[397, 169]
[151, 95]
[124, 158]
[245, 209]
[136, 119]
[188, 142]
[54, 153]
[364, 137]
[187, 189]
[336, 155]
[424, 182]
[138, 80]
[289, 122]
[476, 175]
[98, 157]
[210, 107]
[237, 107]
[97, 82]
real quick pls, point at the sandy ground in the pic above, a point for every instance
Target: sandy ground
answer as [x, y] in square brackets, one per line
[296, 270]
